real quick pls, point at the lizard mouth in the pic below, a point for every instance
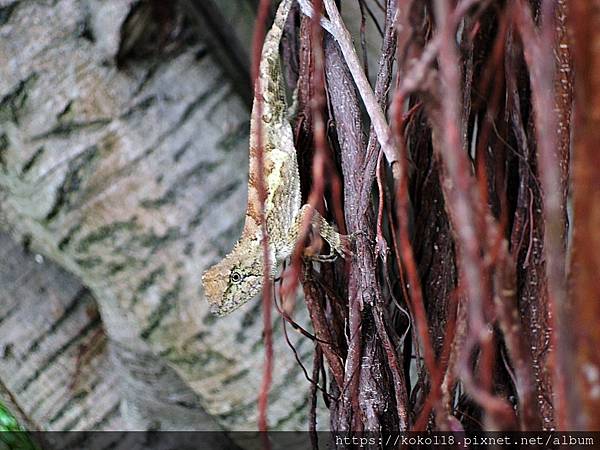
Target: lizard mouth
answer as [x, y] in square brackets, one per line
[217, 311]
[222, 309]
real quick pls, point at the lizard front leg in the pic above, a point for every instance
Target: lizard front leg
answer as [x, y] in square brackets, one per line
[338, 243]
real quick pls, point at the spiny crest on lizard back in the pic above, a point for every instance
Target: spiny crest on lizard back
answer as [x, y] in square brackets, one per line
[271, 123]
[239, 276]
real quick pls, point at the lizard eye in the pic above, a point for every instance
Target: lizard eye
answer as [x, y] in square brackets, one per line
[236, 277]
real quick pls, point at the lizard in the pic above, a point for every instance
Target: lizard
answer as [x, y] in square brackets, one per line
[238, 278]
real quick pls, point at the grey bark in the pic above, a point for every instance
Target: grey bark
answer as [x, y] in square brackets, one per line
[53, 359]
[132, 178]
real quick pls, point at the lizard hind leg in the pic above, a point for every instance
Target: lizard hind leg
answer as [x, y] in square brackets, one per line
[339, 244]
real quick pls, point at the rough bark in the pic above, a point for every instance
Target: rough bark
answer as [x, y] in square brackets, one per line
[372, 371]
[55, 363]
[584, 402]
[123, 155]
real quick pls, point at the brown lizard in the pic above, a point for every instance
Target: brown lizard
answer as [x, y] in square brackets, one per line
[239, 276]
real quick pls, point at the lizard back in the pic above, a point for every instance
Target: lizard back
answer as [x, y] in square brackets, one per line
[283, 198]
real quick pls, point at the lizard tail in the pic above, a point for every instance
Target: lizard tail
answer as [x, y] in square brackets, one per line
[271, 89]
[274, 34]
[272, 122]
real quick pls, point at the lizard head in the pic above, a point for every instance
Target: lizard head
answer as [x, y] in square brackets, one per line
[235, 280]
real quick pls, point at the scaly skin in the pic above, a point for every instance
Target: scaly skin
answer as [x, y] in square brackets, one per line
[239, 276]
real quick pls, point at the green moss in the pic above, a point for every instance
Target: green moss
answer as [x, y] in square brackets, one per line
[198, 365]
[74, 179]
[34, 158]
[13, 103]
[296, 415]
[104, 232]
[3, 148]
[167, 303]
[232, 140]
[149, 280]
[155, 241]
[12, 434]
[89, 263]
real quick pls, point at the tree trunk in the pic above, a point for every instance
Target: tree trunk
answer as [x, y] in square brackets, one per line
[123, 158]
[584, 370]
